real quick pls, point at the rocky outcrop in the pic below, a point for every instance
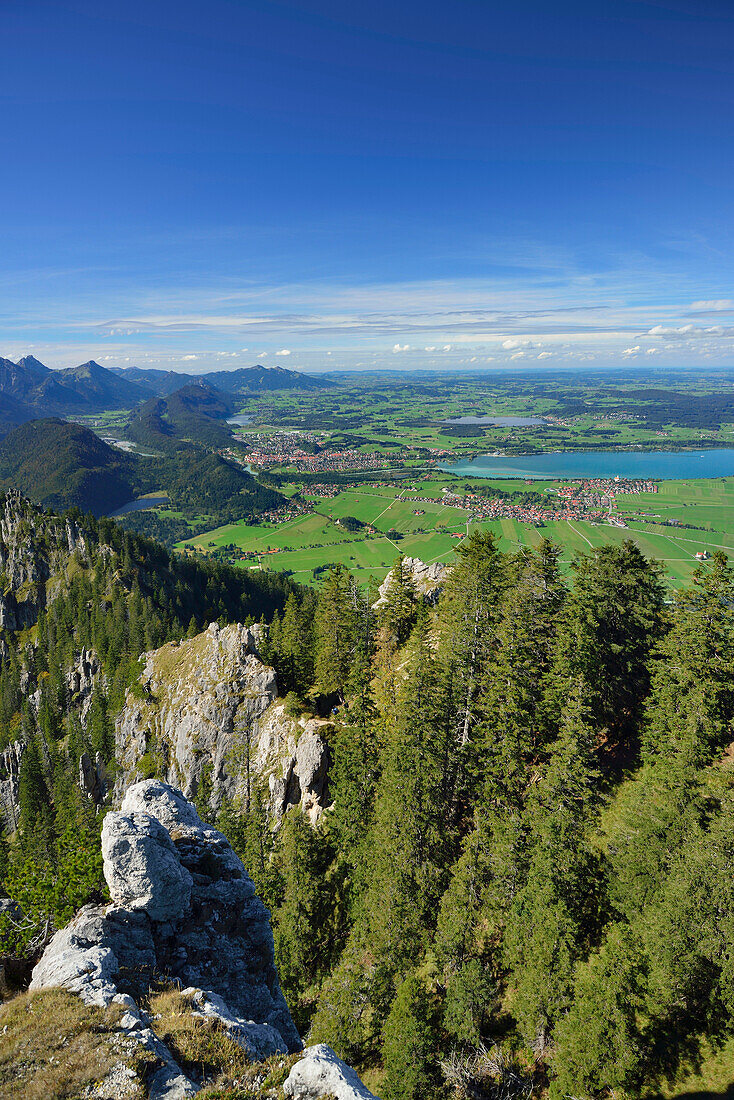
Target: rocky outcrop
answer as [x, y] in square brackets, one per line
[205, 716]
[93, 778]
[196, 708]
[321, 1073]
[291, 756]
[184, 909]
[80, 679]
[34, 547]
[10, 759]
[428, 580]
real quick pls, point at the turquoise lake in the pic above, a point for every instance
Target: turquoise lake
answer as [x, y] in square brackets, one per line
[668, 465]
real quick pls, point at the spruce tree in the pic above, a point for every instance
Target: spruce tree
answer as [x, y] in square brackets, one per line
[613, 619]
[554, 916]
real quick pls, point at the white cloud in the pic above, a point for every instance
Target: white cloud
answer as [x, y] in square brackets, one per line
[400, 347]
[628, 352]
[653, 351]
[545, 355]
[688, 332]
[516, 342]
[446, 347]
[283, 351]
[189, 358]
[430, 349]
[518, 355]
[712, 305]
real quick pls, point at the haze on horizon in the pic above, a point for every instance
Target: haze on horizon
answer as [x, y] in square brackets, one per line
[323, 186]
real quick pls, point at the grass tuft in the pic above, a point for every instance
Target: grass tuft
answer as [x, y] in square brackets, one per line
[53, 1047]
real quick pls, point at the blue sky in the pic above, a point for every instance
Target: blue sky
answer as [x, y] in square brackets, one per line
[330, 184]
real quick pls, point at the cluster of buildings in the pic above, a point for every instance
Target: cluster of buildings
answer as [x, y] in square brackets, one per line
[613, 485]
[324, 461]
[291, 510]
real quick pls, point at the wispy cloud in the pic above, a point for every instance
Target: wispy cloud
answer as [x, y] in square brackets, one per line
[545, 307]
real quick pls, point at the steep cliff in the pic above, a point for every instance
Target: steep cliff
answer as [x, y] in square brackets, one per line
[35, 552]
[205, 715]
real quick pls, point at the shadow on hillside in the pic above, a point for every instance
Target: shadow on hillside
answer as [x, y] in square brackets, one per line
[727, 1094]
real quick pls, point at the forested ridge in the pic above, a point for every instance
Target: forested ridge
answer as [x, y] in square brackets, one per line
[524, 883]
[531, 845]
[117, 595]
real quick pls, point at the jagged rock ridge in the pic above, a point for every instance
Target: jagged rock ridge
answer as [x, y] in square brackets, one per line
[184, 908]
[206, 716]
[33, 548]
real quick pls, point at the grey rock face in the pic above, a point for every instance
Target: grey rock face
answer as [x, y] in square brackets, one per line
[321, 1073]
[142, 867]
[81, 677]
[33, 546]
[93, 777]
[10, 759]
[210, 713]
[203, 699]
[293, 755]
[184, 908]
[428, 580]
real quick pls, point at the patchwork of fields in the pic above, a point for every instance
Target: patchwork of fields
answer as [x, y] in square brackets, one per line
[314, 540]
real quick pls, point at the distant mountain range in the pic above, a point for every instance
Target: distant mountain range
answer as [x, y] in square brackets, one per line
[244, 380]
[29, 390]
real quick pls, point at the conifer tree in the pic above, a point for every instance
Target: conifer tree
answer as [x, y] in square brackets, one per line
[554, 916]
[410, 1044]
[398, 609]
[469, 613]
[409, 846]
[337, 624]
[515, 728]
[613, 619]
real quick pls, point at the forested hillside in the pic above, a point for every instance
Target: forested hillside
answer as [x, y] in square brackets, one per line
[64, 465]
[523, 884]
[80, 600]
[533, 827]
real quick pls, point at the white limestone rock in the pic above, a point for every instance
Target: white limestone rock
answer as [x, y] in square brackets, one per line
[208, 711]
[428, 580]
[142, 867]
[198, 706]
[184, 909]
[260, 1041]
[321, 1073]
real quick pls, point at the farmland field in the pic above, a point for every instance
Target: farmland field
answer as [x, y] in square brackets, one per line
[316, 539]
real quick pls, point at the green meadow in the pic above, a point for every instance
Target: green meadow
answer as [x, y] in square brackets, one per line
[311, 541]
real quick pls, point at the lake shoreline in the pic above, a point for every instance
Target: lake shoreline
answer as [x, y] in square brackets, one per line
[660, 465]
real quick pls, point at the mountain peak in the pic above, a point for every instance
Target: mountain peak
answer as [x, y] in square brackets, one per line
[35, 366]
